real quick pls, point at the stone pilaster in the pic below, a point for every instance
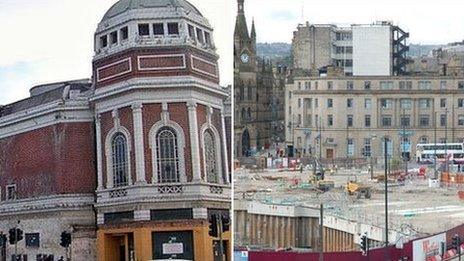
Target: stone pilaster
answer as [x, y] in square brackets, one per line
[99, 152]
[225, 157]
[194, 143]
[139, 146]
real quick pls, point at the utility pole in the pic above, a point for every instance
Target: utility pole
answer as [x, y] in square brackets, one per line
[320, 141]
[16, 240]
[404, 144]
[386, 196]
[435, 145]
[220, 228]
[446, 141]
[348, 161]
[321, 234]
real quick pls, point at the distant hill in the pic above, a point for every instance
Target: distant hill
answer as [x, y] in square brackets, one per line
[418, 50]
[276, 52]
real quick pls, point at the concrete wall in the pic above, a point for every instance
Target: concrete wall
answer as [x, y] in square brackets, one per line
[372, 48]
[312, 46]
[49, 226]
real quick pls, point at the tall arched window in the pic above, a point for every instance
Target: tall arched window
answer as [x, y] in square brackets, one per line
[167, 156]
[120, 161]
[210, 157]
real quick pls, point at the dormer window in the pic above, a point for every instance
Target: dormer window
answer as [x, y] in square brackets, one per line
[114, 37]
[173, 28]
[158, 29]
[124, 33]
[200, 35]
[144, 29]
[103, 41]
[207, 38]
[191, 30]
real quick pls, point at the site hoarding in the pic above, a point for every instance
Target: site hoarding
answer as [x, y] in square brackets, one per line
[427, 247]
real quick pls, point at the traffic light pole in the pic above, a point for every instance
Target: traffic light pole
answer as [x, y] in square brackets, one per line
[16, 242]
[321, 233]
[220, 228]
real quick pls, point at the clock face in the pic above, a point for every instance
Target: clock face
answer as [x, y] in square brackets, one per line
[245, 58]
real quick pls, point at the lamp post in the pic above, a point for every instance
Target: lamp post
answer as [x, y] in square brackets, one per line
[386, 195]
[435, 145]
[446, 140]
[372, 138]
[404, 144]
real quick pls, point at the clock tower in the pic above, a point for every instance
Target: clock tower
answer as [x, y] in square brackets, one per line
[244, 42]
[246, 91]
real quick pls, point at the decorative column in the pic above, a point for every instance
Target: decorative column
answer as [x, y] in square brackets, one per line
[139, 147]
[99, 152]
[225, 156]
[194, 143]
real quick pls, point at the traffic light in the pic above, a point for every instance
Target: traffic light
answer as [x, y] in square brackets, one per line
[213, 226]
[12, 237]
[2, 240]
[364, 243]
[65, 239]
[19, 234]
[225, 223]
[456, 241]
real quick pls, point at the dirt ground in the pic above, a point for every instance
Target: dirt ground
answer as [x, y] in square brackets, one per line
[414, 208]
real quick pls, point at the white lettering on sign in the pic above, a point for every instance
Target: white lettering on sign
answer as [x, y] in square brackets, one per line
[173, 248]
[428, 247]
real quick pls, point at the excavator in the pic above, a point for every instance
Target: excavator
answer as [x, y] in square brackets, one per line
[318, 178]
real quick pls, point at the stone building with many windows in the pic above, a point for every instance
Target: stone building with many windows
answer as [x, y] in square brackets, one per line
[132, 163]
[352, 115]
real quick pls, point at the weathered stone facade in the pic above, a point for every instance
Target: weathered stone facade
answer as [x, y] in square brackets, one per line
[362, 110]
[258, 92]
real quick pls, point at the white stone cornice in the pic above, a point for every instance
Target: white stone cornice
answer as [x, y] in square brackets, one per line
[153, 83]
[149, 193]
[14, 126]
[46, 203]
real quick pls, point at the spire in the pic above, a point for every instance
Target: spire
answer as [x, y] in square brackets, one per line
[241, 30]
[253, 29]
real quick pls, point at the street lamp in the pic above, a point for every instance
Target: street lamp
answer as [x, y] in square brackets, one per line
[372, 138]
[404, 144]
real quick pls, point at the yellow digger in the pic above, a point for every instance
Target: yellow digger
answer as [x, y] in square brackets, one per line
[353, 187]
[318, 178]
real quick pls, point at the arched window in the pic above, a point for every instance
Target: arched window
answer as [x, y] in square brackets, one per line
[120, 160]
[167, 156]
[249, 113]
[243, 113]
[211, 157]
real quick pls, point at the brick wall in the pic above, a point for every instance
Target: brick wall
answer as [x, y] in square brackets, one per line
[107, 123]
[151, 114]
[178, 113]
[135, 72]
[57, 159]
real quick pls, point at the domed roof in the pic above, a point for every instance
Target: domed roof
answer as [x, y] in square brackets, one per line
[125, 5]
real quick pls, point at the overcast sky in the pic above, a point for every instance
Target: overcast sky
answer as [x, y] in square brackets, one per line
[428, 21]
[45, 41]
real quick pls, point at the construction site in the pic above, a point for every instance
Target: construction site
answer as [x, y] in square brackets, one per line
[279, 208]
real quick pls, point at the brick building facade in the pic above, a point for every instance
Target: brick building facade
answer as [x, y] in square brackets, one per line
[132, 162]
